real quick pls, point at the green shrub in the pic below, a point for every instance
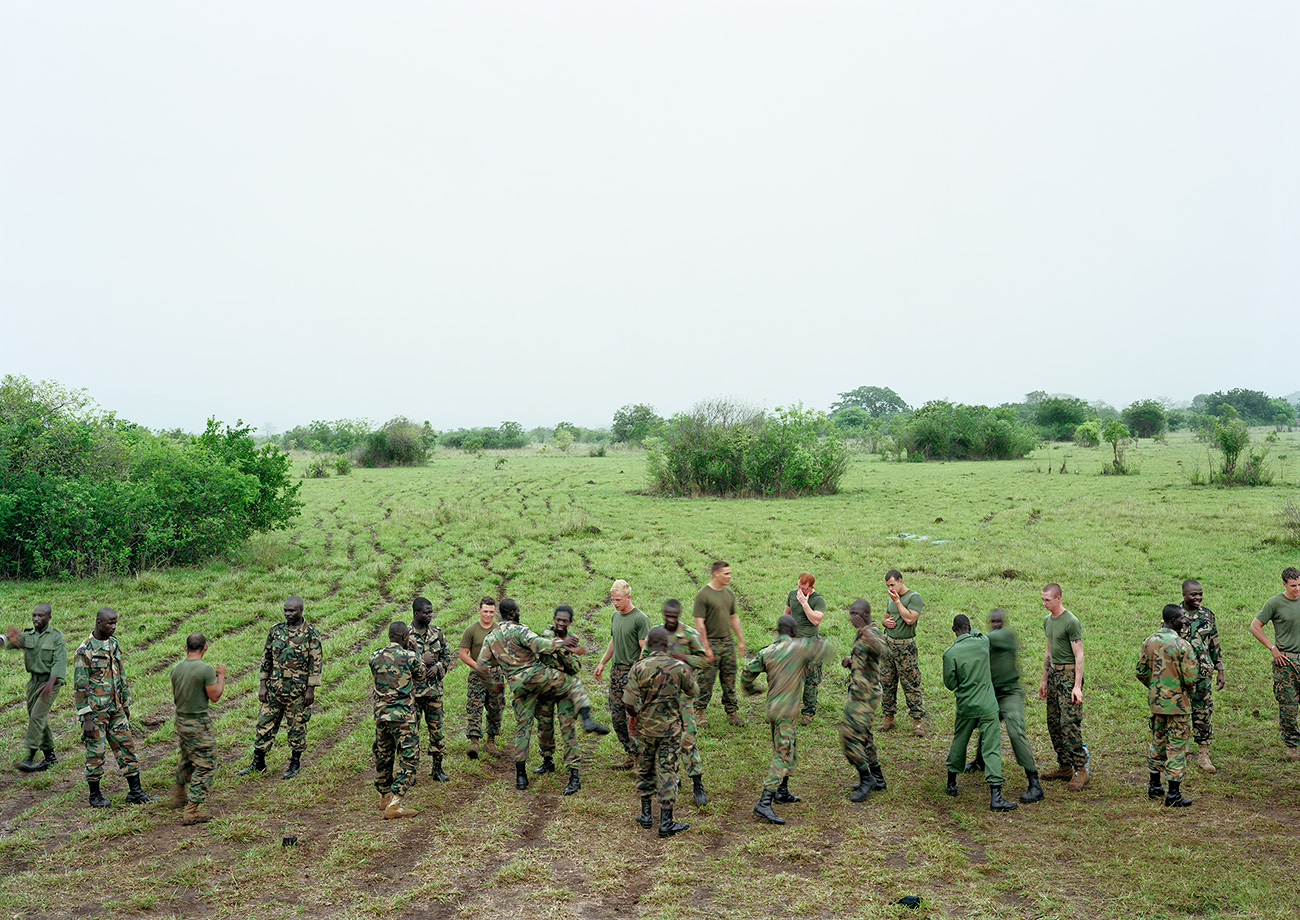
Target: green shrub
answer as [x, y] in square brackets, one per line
[597, 451]
[1059, 416]
[633, 424]
[1116, 434]
[316, 469]
[400, 442]
[940, 430]
[1088, 434]
[342, 465]
[564, 439]
[1146, 418]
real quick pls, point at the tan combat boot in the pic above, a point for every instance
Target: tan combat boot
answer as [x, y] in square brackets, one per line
[917, 728]
[490, 746]
[179, 798]
[1062, 771]
[471, 750]
[1079, 780]
[384, 800]
[395, 809]
[735, 719]
[1292, 753]
[194, 814]
[887, 722]
[1203, 759]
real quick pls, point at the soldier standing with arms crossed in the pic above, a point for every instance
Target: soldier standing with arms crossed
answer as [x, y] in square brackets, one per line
[397, 669]
[195, 684]
[46, 658]
[717, 620]
[286, 687]
[1062, 687]
[1167, 668]
[1283, 611]
[902, 665]
[431, 646]
[659, 687]
[1201, 632]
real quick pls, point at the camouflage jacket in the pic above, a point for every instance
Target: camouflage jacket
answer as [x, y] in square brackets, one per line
[864, 666]
[1201, 632]
[657, 688]
[1167, 668]
[292, 660]
[686, 642]
[432, 640]
[559, 658]
[397, 672]
[784, 661]
[98, 682]
[514, 648]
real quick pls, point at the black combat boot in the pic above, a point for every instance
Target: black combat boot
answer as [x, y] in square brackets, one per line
[548, 766]
[783, 794]
[866, 782]
[31, 764]
[50, 759]
[764, 808]
[997, 803]
[97, 799]
[436, 771]
[951, 788]
[1035, 792]
[295, 761]
[575, 782]
[591, 725]
[976, 765]
[136, 796]
[881, 786]
[521, 775]
[257, 766]
[667, 826]
[1154, 789]
[697, 785]
[1175, 797]
[646, 818]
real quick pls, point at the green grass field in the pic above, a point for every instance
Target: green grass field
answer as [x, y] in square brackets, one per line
[549, 529]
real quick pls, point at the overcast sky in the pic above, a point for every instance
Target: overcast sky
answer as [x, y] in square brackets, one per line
[534, 211]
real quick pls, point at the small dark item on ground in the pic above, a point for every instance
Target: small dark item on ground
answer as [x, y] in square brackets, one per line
[289, 842]
[910, 900]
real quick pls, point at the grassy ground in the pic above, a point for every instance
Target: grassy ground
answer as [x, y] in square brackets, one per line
[548, 529]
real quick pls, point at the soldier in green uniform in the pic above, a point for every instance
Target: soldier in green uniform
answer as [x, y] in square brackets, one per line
[1202, 634]
[784, 662]
[902, 664]
[627, 631]
[1062, 687]
[659, 688]
[431, 646]
[807, 607]
[863, 699]
[717, 620]
[516, 649]
[685, 645]
[286, 687]
[398, 670]
[481, 692]
[1283, 611]
[195, 684]
[1167, 668]
[966, 672]
[562, 659]
[46, 658]
[103, 699]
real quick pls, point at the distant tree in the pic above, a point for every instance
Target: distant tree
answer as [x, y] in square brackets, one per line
[877, 402]
[564, 439]
[1251, 406]
[1105, 411]
[940, 430]
[634, 423]
[561, 426]
[1088, 434]
[1115, 435]
[1059, 416]
[1176, 419]
[1231, 437]
[1034, 397]
[1145, 418]
[510, 436]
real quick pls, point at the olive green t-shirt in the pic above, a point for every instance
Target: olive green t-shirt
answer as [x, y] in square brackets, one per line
[912, 601]
[1285, 616]
[189, 680]
[628, 630]
[1061, 631]
[472, 638]
[715, 608]
[803, 627]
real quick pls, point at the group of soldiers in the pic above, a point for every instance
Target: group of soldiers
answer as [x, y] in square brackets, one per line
[661, 680]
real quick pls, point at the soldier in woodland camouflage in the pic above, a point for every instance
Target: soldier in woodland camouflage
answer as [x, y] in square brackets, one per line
[1167, 668]
[397, 670]
[286, 687]
[785, 662]
[561, 659]
[1283, 611]
[103, 700]
[435, 655]
[1202, 633]
[685, 644]
[515, 648]
[195, 684]
[863, 700]
[659, 688]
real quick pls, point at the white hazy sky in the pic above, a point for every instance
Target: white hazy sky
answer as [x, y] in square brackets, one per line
[470, 212]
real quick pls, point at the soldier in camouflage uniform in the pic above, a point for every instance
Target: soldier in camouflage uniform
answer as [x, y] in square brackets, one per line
[659, 688]
[195, 684]
[398, 670]
[784, 661]
[45, 655]
[1062, 688]
[863, 700]
[103, 700]
[1167, 668]
[1201, 632]
[902, 664]
[435, 655]
[685, 644]
[481, 692]
[1283, 611]
[516, 649]
[561, 659]
[286, 687]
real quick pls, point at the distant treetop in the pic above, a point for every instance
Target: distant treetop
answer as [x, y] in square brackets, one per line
[877, 402]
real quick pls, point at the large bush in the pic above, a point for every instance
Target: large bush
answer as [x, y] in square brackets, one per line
[84, 493]
[943, 431]
[400, 442]
[506, 436]
[726, 448]
[633, 424]
[1145, 418]
[1060, 416]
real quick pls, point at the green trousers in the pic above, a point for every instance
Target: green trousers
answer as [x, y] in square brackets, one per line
[39, 736]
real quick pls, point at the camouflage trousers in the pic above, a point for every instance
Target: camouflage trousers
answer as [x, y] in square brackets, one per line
[39, 737]
[547, 712]
[618, 675]
[856, 739]
[990, 746]
[1202, 712]
[533, 685]
[428, 709]
[690, 748]
[294, 712]
[1170, 737]
[812, 679]
[724, 666]
[656, 768]
[785, 754]
[400, 742]
[116, 733]
[479, 696]
[1286, 690]
[901, 665]
[1065, 718]
[198, 756]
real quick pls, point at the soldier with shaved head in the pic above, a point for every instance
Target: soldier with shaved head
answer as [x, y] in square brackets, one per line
[46, 658]
[195, 684]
